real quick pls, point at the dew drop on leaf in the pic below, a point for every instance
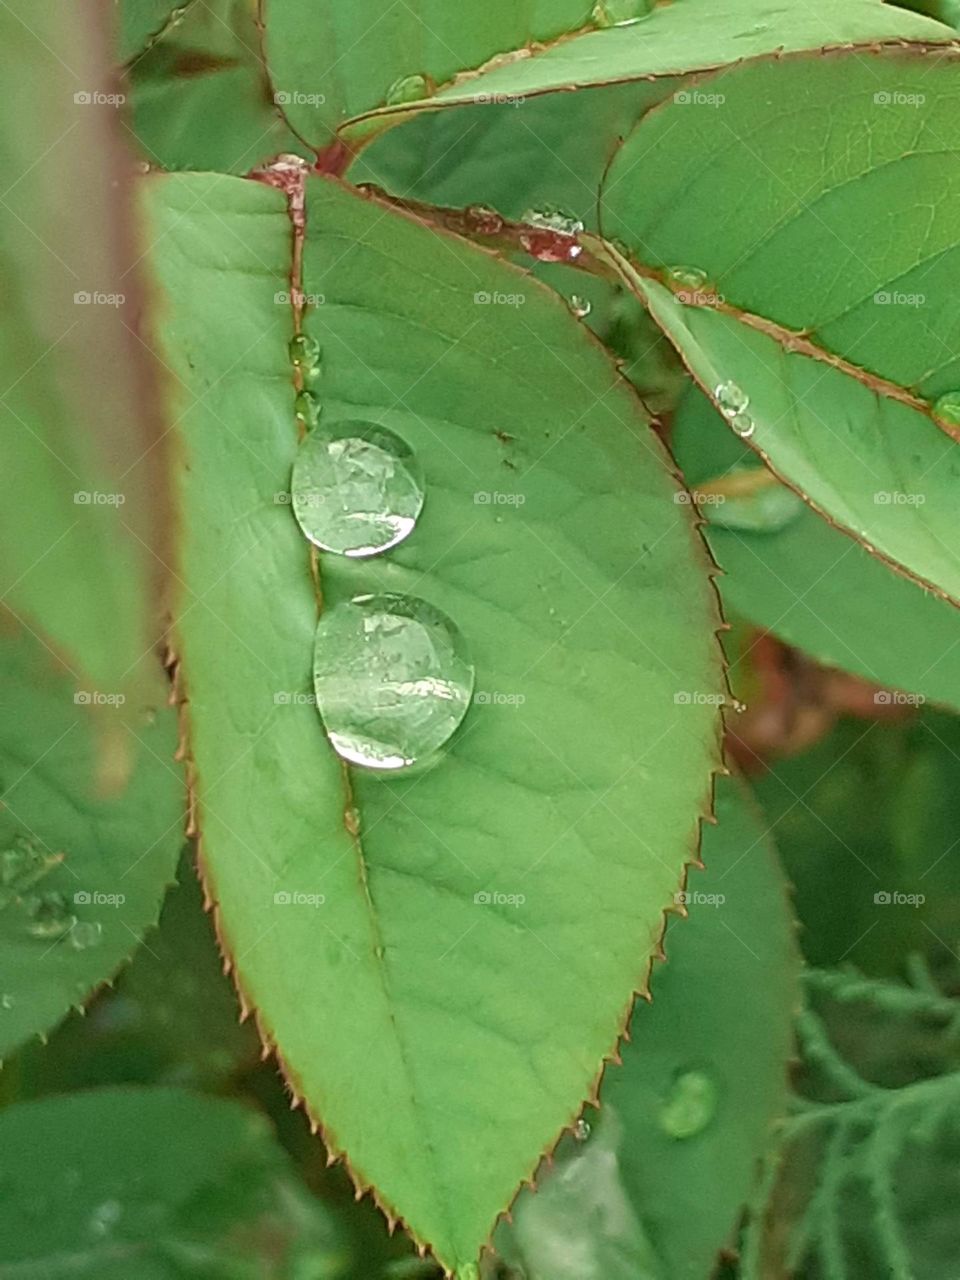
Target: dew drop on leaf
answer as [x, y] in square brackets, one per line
[392, 677]
[619, 13]
[550, 218]
[307, 408]
[743, 425]
[49, 916]
[22, 864]
[731, 400]
[690, 1105]
[85, 934]
[304, 351]
[581, 1130]
[482, 220]
[580, 306]
[407, 89]
[948, 408]
[688, 277]
[356, 489]
[6, 1001]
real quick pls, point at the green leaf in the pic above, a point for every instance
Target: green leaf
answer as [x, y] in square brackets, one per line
[82, 505]
[155, 1183]
[649, 1194]
[865, 1185]
[800, 183]
[866, 823]
[408, 1011]
[811, 586]
[140, 22]
[200, 94]
[81, 875]
[672, 40]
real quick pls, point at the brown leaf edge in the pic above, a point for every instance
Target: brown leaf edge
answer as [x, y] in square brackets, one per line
[292, 182]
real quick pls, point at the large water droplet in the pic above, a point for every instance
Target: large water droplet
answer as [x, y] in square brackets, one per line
[688, 277]
[49, 916]
[730, 399]
[356, 489]
[690, 1105]
[619, 13]
[392, 678]
[743, 425]
[407, 89]
[948, 408]
[752, 500]
[85, 934]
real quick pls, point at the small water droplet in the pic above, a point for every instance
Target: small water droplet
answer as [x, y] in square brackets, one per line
[551, 218]
[619, 13]
[688, 277]
[85, 934]
[392, 678]
[743, 425]
[581, 1130]
[50, 917]
[483, 220]
[356, 489]
[408, 89]
[351, 820]
[690, 1105]
[105, 1217]
[304, 351]
[6, 1001]
[730, 399]
[580, 306]
[738, 706]
[23, 863]
[948, 408]
[307, 409]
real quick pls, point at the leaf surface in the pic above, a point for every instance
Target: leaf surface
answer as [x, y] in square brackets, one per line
[441, 1029]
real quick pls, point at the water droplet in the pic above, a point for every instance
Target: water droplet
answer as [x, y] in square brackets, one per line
[690, 1105]
[357, 489]
[85, 934]
[619, 13]
[551, 246]
[738, 706]
[50, 917]
[482, 220]
[6, 1001]
[105, 1217]
[392, 678]
[304, 351]
[730, 399]
[948, 408]
[581, 1130]
[550, 218]
[407, 89]
[307, 409]
[752, 500]
[688, 277]
[22, 864]
[743, 425]
[580, 306]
